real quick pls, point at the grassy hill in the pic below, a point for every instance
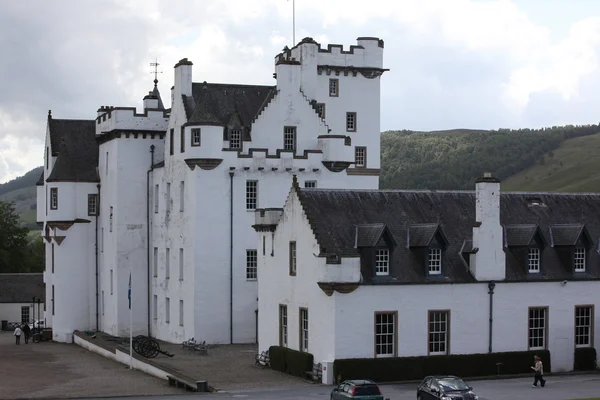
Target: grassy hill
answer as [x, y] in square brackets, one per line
[22, 192]
[573, 167]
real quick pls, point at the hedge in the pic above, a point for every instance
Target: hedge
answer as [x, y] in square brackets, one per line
[290, 361]
[585, 359]
[416, 368]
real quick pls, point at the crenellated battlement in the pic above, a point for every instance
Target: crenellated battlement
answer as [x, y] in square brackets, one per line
[126, 118]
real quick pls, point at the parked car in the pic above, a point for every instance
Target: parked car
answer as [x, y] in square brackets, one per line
[357, 389]
[445, 388]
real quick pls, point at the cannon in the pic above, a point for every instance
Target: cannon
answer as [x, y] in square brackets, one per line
[147, 347]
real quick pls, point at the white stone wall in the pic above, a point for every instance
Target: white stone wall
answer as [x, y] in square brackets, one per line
[11, 312]
[126, 118]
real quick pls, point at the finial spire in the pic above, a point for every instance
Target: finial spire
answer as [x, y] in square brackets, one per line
[155, 64]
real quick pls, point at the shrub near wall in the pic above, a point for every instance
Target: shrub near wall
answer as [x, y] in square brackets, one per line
[585, 359]
[416, 368]
[290, 361]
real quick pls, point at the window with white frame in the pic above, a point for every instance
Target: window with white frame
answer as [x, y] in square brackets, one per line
[168, 198]
[251, 195]
[289, 138]
[167, 310]
[235, 139]
[156, 198]
[54, 198]
[334, 87]
[385, 334]
[155, 262]
[584, 316]
[251, 265]
[533, 259]
[310, 184]
[435, 261]
[292, 258]
[92, 204]
[304, 329]
[181, 196]
[321, 110]
[25, 315]
[382, 262]
[438, 332]
[537, 328]
[196, 137]
[351, 122]
[283, 326]
[180, 312]
[168, 263]
[579, 259]
[180, 264]
[360, 157]
[155, 308]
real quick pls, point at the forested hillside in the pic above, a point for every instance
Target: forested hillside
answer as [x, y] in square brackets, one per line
[454, 159]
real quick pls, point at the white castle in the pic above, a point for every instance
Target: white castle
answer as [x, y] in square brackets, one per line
[168, 195]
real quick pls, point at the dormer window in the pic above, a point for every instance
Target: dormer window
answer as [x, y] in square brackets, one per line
[435, 261]
[382, 262]
[235, 139]
[533, 260]
[579, 259]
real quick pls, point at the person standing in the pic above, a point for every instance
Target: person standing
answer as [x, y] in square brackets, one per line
[539, 372]
[26, 332]
[18, 335]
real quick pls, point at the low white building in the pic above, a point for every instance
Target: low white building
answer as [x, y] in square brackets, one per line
[21, 298]
[396, 273]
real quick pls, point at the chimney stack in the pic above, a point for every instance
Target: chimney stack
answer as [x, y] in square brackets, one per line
[183, 78]
[489, 262]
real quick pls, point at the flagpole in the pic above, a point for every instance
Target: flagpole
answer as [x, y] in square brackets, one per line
[130, 324]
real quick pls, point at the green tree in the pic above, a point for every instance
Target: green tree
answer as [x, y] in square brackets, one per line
[13, 241]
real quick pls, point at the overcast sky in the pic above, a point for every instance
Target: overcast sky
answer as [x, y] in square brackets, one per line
[454, 63]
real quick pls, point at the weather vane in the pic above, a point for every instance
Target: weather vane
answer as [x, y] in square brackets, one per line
[155, 64]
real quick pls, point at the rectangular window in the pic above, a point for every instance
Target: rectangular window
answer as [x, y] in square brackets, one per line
[25, 315]
[382, 262]
[92, 204]
[385, 334]
[579, 259]
[293, 258]
[196, 137]
[110, 227]
[155, 308]
[310, 184]
[360, 157]
[334, 87]
[54, 198]
[106, 164]
[168, 263]
[321, 110]
[168, 198]
[181, 196]
[111, 282]
[181, 264]
[52, 257]
[171, 141]
[350, 122]
[538, 328]
[167, 310]
[533, 259]
[102, 241]
[251, 195]
[156, 198]
[439, 322]
[283, 326]
[182, 140]
[435, 261]
[102, 302]
[289, 138]
[180, 312]
[155, 261]
[303, 329]
[584, 317]
[235, 139]
[264, 245]
[251, 265]
[55, 302]
[47, 157]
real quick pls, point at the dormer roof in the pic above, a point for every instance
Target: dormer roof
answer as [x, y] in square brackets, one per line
[520, 234]
[368, 235]
[421, 235]
[567, 234]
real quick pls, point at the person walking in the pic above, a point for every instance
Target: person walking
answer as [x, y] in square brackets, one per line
[539, 372]
[18, 334]
[27, 332]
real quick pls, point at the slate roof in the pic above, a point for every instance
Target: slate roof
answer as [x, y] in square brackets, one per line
[21, 288]
[334, 215]
[565, 234]
[74, 142]
[420, 235]
[519, 235]
[216, 103]
[369, 234]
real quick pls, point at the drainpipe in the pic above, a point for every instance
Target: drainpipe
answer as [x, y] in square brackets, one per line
[231, 257]
[97, 256]
[491, 286]
[148, 238]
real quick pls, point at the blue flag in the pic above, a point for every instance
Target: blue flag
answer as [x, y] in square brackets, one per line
[129, 291]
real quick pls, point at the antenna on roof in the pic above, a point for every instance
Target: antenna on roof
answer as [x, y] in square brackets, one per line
[155, 64]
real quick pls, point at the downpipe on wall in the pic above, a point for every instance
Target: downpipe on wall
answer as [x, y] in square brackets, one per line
[491, 286]
[231, 173]
[148, 238]
[97, 262]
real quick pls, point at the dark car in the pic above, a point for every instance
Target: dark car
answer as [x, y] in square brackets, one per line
[445, 388]
[357, 389]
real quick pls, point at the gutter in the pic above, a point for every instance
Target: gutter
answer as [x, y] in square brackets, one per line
[231, 173]
[491, 286]
[148, 194]
[97, 262]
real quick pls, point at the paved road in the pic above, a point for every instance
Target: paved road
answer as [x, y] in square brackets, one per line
[557, 388]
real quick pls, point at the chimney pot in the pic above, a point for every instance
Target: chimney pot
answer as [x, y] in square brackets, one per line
[487, 174]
